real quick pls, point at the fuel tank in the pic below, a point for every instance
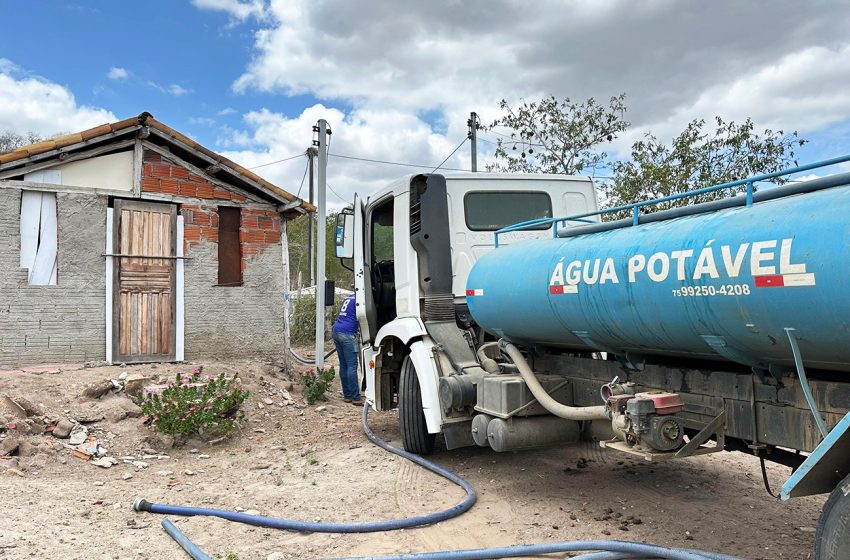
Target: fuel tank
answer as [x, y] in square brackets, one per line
[721, 285]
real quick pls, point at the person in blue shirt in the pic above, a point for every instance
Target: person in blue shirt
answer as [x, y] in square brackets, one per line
[345, 339]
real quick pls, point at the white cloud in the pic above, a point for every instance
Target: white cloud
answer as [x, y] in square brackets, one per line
[173, 89]
[8, 67]
[413, 75]
[378, 135]
[32, 104]
[239, 10]
[117, 73]
[226, 111]
[804, 91]
[204, 121]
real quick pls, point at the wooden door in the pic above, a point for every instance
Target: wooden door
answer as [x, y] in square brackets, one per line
[144, 237]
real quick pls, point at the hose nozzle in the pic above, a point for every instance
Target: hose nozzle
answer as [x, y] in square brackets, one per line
[140, 504]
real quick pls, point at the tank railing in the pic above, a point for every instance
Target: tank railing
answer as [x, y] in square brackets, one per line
[532, 224]
[634, 208]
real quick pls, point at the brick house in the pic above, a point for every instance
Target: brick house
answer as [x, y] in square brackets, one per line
[130, 242]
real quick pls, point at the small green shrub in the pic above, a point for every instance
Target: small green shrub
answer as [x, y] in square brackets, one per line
[302, 319]
[316, 384]
[191, 405]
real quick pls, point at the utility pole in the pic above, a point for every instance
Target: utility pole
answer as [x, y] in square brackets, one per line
[472, 123]
[312, 152]
[322, 145]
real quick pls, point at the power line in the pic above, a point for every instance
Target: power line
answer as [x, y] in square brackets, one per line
[276, 161]
[511, 141]
[336, 193]
[450, 155]
[301, 186]
[385, 162]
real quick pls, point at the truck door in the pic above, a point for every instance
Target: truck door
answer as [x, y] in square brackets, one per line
[366, 313]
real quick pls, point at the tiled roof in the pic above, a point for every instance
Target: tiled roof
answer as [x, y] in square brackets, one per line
[92, 135]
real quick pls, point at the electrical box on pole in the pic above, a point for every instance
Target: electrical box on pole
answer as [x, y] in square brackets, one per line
[321, 229]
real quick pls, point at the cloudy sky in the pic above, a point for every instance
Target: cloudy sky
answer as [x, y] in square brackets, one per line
[396, 80]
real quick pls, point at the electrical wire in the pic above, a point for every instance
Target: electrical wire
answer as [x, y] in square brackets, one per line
[301, 186]
[462, 142]
[512, 138]
[276, 161]
[335, 193]
[385, 162]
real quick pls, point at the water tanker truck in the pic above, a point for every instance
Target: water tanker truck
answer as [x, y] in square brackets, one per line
[501, 310]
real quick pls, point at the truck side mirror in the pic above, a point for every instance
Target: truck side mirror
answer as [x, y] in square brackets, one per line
[345, 235]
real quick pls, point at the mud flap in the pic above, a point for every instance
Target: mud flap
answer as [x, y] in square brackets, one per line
[824, 469]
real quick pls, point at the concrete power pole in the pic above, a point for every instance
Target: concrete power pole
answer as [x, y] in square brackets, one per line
[472, 123]
[312, 152]
[321, 218]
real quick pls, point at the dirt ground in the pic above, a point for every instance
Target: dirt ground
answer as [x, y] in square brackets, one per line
[314, 463]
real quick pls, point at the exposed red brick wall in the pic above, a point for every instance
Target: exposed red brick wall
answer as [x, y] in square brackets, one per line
[162, 176]
[259, 229]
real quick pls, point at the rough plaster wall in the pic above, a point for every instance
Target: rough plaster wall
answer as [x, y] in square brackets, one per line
[54, 324]
[237, 321]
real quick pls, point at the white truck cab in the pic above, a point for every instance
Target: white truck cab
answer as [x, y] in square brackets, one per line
[413, 245]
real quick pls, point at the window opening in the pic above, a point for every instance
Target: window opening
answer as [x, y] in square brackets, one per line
[382, 263]
[229, 248]
[39, 237]
[492, 210]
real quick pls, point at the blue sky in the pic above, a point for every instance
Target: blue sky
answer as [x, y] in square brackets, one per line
[249, 78]
[160, 44]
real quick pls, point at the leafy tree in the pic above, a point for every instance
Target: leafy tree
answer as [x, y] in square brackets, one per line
[10, 140]
[557, 136]
[700, 157]
[299, 260]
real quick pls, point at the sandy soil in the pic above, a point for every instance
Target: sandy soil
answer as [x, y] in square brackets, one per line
[299, 462]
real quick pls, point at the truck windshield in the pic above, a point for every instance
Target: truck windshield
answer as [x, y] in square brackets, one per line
[492, 210]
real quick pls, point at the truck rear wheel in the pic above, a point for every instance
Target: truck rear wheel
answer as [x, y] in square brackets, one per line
[414, 431]
[832, 540]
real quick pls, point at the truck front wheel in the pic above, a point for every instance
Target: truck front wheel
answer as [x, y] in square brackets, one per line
[414, 431]
[832, 540]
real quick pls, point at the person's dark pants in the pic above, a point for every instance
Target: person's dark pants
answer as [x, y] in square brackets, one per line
[346, 351]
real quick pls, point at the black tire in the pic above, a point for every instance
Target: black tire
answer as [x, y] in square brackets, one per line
[832, 540]
[411, 418]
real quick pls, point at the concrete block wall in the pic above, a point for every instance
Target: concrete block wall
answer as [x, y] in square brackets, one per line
[63, 323]
[242, 322]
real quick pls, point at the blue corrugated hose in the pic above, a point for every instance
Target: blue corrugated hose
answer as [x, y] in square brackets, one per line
[184, 542]
[319, 527]
[610, 550]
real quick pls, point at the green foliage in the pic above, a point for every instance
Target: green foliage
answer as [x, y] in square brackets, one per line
[302, 319]
[300, 261]
[557, 136]
[317, 383]
[700, 158]
[192, 405]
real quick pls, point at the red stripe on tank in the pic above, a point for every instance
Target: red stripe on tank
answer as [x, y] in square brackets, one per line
[771, 281]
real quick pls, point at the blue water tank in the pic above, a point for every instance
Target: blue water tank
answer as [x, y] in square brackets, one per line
[723, 285]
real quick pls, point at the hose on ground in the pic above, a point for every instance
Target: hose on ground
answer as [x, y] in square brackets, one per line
[308, 361]
[320, 527]
[184, 542]
[606, 550]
